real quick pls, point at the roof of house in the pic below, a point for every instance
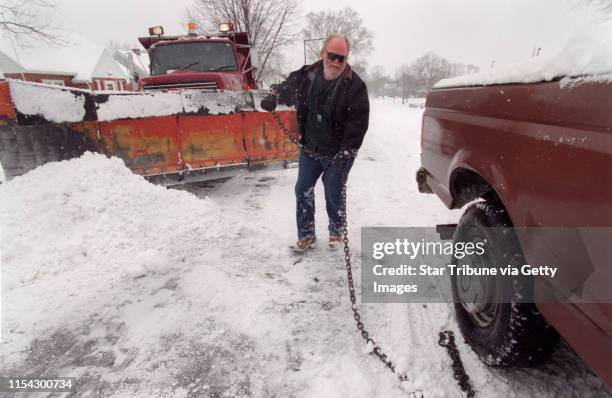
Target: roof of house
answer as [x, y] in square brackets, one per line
[80, 58]
[141, 61]
[8, 65]
[107, 66]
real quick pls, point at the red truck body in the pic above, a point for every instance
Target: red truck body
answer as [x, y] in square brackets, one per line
[181, 51]
[544, 150]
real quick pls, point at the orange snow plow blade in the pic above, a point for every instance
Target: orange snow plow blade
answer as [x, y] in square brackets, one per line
[170, 135]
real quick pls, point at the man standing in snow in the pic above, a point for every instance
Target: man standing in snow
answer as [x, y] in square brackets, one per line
[333, 114]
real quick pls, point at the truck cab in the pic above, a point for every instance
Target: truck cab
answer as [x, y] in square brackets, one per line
[222, 61]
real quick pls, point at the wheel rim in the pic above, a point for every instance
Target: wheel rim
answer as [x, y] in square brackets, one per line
[478, 295]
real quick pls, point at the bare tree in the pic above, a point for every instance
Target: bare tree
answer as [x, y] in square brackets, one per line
[24, 19]
[121, 52]
[378, 81]
[429, 69]
[346, 21]
[361, 68]
[604, 6]
[418, 78]
[269, 23]
[407, 82]
[458, 69]
[273, 74]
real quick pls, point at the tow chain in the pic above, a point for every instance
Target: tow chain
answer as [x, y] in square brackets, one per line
[449, 342]
[347, 259]
[281, 124]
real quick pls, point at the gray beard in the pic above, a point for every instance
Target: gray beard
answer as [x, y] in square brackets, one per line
[330, 74]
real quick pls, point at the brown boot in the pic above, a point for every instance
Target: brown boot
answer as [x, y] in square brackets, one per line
[304, 244]
[335, 242]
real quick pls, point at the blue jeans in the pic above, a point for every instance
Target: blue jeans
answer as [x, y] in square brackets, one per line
[310, 170]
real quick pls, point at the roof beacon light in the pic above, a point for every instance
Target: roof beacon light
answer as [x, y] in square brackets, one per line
[191, 29]
[226, 27]
[156, 31]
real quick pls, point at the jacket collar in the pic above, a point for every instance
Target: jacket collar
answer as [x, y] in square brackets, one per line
[348, 72]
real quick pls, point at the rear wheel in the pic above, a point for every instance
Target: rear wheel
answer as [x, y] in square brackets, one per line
[499, 328]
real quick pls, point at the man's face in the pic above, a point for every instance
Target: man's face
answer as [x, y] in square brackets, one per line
[332, 55]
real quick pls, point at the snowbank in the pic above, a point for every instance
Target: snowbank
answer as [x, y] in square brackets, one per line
[72, 229]
[587, 52]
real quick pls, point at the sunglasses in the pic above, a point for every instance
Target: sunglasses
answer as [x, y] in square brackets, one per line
[333, 57]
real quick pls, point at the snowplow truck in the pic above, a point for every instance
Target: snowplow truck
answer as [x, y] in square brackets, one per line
[196, 117]
[223, 61]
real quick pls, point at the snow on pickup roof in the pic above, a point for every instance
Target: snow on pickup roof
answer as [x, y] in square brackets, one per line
[587, 53]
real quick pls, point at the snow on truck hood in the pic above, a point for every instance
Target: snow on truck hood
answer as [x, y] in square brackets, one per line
[588, 52]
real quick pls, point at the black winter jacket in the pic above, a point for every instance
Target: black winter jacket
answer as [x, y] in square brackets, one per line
[351, 107]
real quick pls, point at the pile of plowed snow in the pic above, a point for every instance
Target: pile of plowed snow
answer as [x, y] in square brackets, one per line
[74, 228]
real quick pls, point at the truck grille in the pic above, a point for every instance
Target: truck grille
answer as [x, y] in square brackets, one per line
[198, 85]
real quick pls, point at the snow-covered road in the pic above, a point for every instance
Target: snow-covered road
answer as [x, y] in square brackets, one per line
[142, 291]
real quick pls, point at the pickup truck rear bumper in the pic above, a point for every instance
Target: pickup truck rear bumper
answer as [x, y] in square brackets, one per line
[421, 178]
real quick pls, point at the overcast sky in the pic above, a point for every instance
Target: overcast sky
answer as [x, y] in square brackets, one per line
[468, 31]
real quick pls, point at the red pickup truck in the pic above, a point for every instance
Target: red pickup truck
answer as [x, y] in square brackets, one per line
[530, 155]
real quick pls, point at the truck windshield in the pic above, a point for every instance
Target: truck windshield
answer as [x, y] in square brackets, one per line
[199, 56]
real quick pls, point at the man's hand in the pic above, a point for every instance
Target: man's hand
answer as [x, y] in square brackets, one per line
[341, 160]
[269, 103]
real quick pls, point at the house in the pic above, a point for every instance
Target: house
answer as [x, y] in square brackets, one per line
[8, 65]
[139, 61]
[80, 64]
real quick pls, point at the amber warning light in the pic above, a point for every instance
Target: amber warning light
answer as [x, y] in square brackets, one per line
[191, 28]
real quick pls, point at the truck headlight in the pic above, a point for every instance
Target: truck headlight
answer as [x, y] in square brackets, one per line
[156, 31]
[226, 27]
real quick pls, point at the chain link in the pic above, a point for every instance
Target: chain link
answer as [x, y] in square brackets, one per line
[297, 142]
[447, 340]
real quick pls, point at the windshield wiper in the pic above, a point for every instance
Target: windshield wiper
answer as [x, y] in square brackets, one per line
[188, 65]
[223, 66]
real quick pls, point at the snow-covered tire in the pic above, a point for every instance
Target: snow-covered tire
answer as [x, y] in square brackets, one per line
[510, 333]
